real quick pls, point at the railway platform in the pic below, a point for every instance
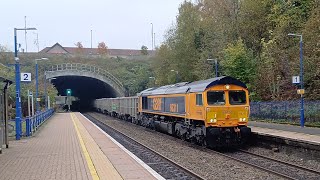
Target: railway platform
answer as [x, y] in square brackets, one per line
[70, 146]
[287, 132]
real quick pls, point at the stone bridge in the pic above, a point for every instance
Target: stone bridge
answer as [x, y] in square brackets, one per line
[85, 70]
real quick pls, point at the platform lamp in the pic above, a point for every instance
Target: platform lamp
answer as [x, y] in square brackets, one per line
[177, 74]
[17, 77]
[216, 65]
[301, 78]
[154, 80]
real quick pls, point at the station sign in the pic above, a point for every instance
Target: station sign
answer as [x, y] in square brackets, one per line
[25, 77]
[38, 99]
[296, 79]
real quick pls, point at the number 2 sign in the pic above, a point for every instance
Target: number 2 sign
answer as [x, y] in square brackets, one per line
[25, 77]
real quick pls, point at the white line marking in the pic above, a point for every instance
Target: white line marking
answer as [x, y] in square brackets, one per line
[148, 168]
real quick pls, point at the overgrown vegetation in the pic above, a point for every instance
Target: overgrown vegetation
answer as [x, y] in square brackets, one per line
[250, 40]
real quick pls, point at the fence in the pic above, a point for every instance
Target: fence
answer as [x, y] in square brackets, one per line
[30, 125]
[285, 110]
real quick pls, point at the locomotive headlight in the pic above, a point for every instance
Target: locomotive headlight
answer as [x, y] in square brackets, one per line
[240, 119]
[227, 86]
[244, 119]
[213, 120]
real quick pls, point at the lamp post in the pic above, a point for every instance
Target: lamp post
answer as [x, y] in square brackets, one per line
[216, 65]
[45, 90]
[37, 83]
[152, 35]
[177, 72]
[17, 77]
[301, 77]
[154, 80]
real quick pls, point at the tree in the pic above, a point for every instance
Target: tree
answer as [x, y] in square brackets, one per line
[79, 47]
[239, 62]
[102, 48]
[144, 50]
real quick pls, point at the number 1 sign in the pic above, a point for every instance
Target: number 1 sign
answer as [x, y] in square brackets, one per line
[295, 79]
[25, 77]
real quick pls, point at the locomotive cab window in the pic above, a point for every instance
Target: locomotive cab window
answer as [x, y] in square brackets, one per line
[216, 98]
[144, 102]
[199, 100]
[237, 97]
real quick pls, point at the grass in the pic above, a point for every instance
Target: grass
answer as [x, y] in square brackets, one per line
[12, 131]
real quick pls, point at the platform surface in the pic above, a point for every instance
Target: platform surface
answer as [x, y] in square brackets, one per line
[305, 134]
[70, 146]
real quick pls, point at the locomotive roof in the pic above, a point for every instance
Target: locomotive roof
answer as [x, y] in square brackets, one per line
[197, 86]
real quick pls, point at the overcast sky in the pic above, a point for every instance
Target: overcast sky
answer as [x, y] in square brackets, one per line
[119, 23]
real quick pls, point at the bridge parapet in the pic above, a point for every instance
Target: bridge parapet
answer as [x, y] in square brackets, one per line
[96, 72]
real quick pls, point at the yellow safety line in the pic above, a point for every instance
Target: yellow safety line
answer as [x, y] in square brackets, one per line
[91, 167]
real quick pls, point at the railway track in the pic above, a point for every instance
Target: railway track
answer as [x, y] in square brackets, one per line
[274, 166]
[279, 168]
[162, 165]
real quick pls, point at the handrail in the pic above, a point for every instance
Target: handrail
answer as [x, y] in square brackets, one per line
[34, 122]
[86, 68]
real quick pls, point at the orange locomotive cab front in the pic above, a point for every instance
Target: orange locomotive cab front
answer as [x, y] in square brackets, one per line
[227, 113]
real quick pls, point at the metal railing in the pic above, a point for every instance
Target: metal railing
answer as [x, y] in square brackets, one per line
[285, 110]
[33, 123]
[29, 125]
[86, 68]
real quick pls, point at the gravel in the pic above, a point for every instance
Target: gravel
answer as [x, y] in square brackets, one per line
[294, 157]
[203, 162]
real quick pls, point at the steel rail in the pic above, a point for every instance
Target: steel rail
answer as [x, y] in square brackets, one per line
[281, 162]
[243, 161]
[255, 166]
[162, 156]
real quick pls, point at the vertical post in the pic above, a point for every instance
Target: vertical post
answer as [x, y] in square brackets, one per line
[152, 35]
[28, 126]
[6, 115]
[37, 90]
[32, 105]
[38, 41]
[216, 67]
[45, 89]
[177, 78]
[301, 83]
[91, 40]
[29, 114]
[68, 98]
[49, 106]
[25, 31]
[154, 40]
[17, 78]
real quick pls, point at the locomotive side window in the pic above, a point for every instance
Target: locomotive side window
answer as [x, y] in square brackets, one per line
[199, 100]
[144, 102]
[237, 97]
[216, 98]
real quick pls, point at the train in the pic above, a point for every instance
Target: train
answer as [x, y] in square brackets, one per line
[212, 112]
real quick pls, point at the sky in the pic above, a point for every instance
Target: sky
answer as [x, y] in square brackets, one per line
[121, 24]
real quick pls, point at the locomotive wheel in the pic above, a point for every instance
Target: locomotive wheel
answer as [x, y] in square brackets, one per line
[204, 143]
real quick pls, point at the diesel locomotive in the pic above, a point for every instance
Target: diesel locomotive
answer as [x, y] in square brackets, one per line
[212, 112]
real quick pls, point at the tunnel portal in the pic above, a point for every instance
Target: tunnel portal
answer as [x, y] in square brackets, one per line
[85, 89]
[87, 82]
